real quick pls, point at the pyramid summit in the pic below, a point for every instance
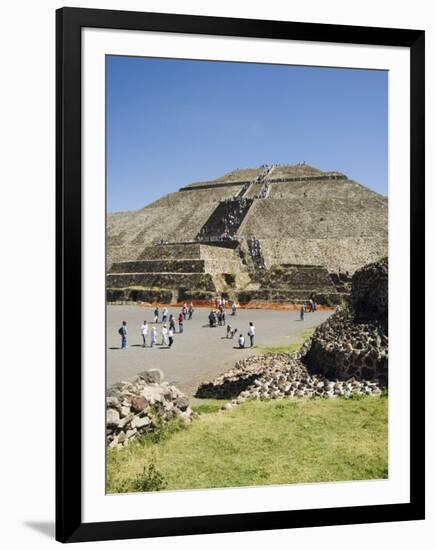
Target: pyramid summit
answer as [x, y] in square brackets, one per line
[272, 233]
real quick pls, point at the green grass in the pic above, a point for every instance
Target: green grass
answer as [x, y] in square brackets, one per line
[208, 406]
[286, 348]
[259, 443]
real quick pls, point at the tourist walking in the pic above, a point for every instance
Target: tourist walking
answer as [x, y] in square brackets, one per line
[164, 335]
[122, 331]
[172, 323]
[234, 309]
[181, 323]
[241, 341]
[229, 331]
[251, 333]
[153, 336]
[302, 313]
[191, 311]
[212, 318]
[156, 315]
[170, 337]
[144, 332]
[165, 315]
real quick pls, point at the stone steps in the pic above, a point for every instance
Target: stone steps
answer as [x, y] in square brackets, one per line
[226, 218]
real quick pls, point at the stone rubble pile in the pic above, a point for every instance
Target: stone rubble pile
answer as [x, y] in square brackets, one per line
[141, 405]
[279, 375]
[240, 377]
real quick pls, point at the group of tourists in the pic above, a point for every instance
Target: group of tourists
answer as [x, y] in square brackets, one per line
[225, 228]
[263, 191]
[255, 248]
[217, 317]
[167, 334]
[221, 302]
[231, 332]
[168, 329]
[256, 252]
[235, 210]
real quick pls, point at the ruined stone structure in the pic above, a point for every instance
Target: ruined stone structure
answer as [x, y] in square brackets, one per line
[278, 376]
[274, 233]
[344, 356]
[354, 341]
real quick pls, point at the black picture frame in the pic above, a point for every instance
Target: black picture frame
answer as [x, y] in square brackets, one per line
[69, 22]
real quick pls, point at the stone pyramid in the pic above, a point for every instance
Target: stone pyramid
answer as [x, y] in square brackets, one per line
[276, 233]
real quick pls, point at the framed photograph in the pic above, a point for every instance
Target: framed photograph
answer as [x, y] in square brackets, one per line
[240, 257]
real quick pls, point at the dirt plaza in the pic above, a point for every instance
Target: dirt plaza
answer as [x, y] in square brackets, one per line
[200, 352]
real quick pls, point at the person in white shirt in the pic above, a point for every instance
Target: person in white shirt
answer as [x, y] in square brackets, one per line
[144, 332]
[241, 341]
[164, 335]
[153, 336]
[251, 333]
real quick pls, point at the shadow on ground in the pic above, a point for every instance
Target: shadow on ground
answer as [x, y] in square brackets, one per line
[46, 528]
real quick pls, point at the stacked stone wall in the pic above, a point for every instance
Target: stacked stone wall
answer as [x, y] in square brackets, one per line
[171, 252]
[341, 348]
[187, 251]
[159, 266]
[369, 293]
[354, 341]
[122, 295]
[298, 277]
[202, 281]
[288, 296]
[292, 283]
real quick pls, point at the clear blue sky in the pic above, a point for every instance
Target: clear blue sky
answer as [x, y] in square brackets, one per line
[172, 122]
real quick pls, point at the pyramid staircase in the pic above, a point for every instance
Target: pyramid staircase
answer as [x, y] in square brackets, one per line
[225, 220]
